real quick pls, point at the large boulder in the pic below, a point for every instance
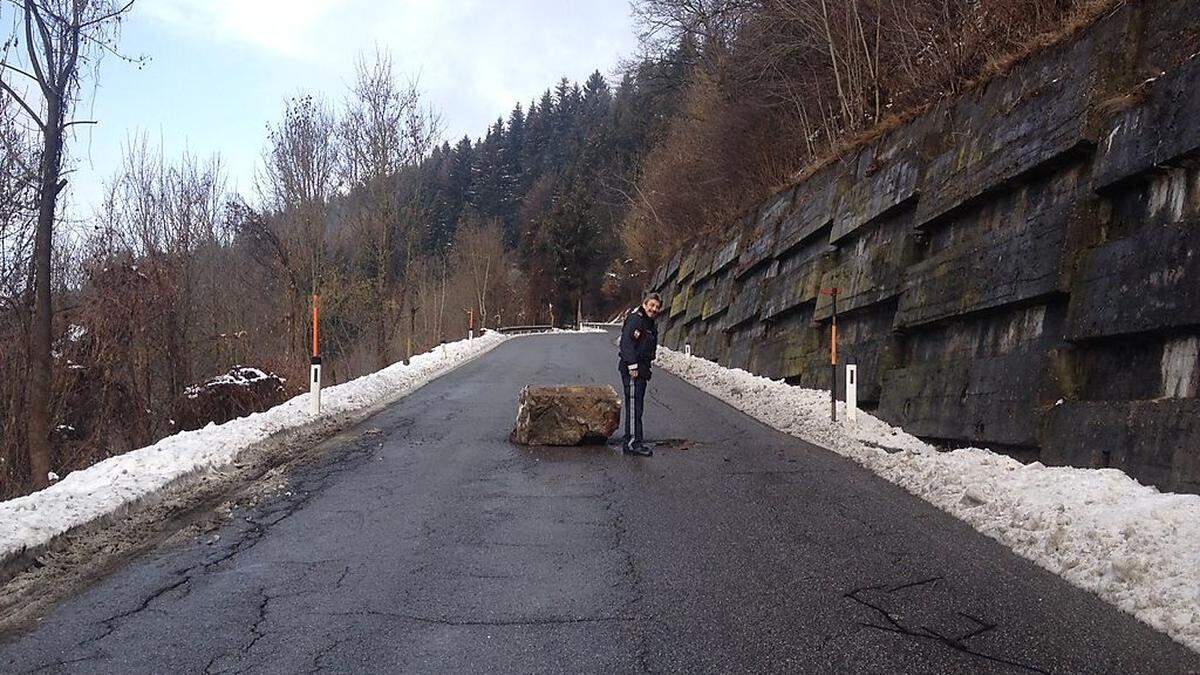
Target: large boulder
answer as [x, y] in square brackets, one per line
[566, 415]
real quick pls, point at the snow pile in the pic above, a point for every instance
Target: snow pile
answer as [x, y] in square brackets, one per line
[238, 376]
[75, 332]
[103, 488]
[1134, 546]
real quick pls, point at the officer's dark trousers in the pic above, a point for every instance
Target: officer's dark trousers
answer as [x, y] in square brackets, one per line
[639, 400]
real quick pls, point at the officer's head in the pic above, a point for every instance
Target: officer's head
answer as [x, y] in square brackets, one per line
[652, 304]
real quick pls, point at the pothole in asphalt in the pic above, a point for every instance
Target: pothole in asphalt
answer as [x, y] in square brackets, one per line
[673, 443]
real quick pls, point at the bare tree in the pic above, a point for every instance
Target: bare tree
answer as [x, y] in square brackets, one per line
[386, 130]
[481, 265]
[167, 215]
[17, 210]
[663, 23]
[60, 38]
[299, 178]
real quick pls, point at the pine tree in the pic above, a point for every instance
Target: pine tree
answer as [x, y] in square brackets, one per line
[435, 178]
[597, 98]
[517, 179]
[487, 173]
[458, 189]
[539, 132]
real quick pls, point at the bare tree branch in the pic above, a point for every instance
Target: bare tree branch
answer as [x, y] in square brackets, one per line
[110, 15]
[21, 101]
[18, 70]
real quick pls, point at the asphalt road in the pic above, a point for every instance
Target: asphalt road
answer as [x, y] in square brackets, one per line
[427, 543]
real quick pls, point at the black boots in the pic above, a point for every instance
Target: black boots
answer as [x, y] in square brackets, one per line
[633, 446]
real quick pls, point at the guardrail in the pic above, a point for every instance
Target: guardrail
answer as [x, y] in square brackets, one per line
[546, 328]
[526, 329]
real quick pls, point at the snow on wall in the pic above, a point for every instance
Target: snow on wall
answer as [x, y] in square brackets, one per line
[1179, 367]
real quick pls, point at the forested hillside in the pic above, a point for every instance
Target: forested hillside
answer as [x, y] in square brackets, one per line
[404, 236]
[555, 177]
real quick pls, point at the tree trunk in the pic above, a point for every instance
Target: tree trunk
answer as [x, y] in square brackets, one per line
[382, 353]
[383, 294]
[40, 378]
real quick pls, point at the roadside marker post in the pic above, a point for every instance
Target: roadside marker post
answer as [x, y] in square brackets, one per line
[687, 349]
[408, 339]
[471, 325]
[315, 379]
[851, 392]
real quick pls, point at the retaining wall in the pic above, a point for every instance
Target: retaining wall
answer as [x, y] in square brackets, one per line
[1018, 268]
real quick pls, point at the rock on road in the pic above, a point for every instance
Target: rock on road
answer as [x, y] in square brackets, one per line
[425, 542]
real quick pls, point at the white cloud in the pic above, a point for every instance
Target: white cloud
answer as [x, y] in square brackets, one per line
[478, 59]
[285, 27]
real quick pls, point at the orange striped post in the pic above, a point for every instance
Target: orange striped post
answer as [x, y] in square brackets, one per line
[833, 293]
[315, 324]
[315, 379]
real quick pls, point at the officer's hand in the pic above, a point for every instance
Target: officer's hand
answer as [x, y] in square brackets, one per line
[633, 373]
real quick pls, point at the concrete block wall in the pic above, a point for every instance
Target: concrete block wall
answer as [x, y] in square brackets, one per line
[1018, 268]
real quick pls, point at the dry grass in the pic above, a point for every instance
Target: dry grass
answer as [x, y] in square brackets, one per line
[722, 146]
[1085, 16]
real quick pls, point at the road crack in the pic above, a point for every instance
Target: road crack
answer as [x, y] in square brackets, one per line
[264, 599]
[957, 642]
[111, 623]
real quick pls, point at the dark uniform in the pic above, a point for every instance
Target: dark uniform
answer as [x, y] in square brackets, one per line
[639, 343]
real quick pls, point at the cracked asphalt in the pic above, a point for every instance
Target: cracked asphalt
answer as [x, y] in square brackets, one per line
[425, 542]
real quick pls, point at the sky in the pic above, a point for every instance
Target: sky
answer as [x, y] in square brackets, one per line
[218, 71]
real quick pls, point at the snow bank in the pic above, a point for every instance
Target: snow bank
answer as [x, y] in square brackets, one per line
[1099, 529]
[103, 488]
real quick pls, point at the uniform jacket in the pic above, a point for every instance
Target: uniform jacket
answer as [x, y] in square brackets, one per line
[639, 342]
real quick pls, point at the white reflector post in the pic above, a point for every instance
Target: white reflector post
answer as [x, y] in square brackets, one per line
[851, 392]
[315, 386]
[687, 349]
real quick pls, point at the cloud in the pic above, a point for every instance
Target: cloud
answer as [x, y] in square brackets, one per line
[478, 59]
[474, 59]
[285, 27]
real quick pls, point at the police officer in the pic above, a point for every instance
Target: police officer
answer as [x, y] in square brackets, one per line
[639, 342]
